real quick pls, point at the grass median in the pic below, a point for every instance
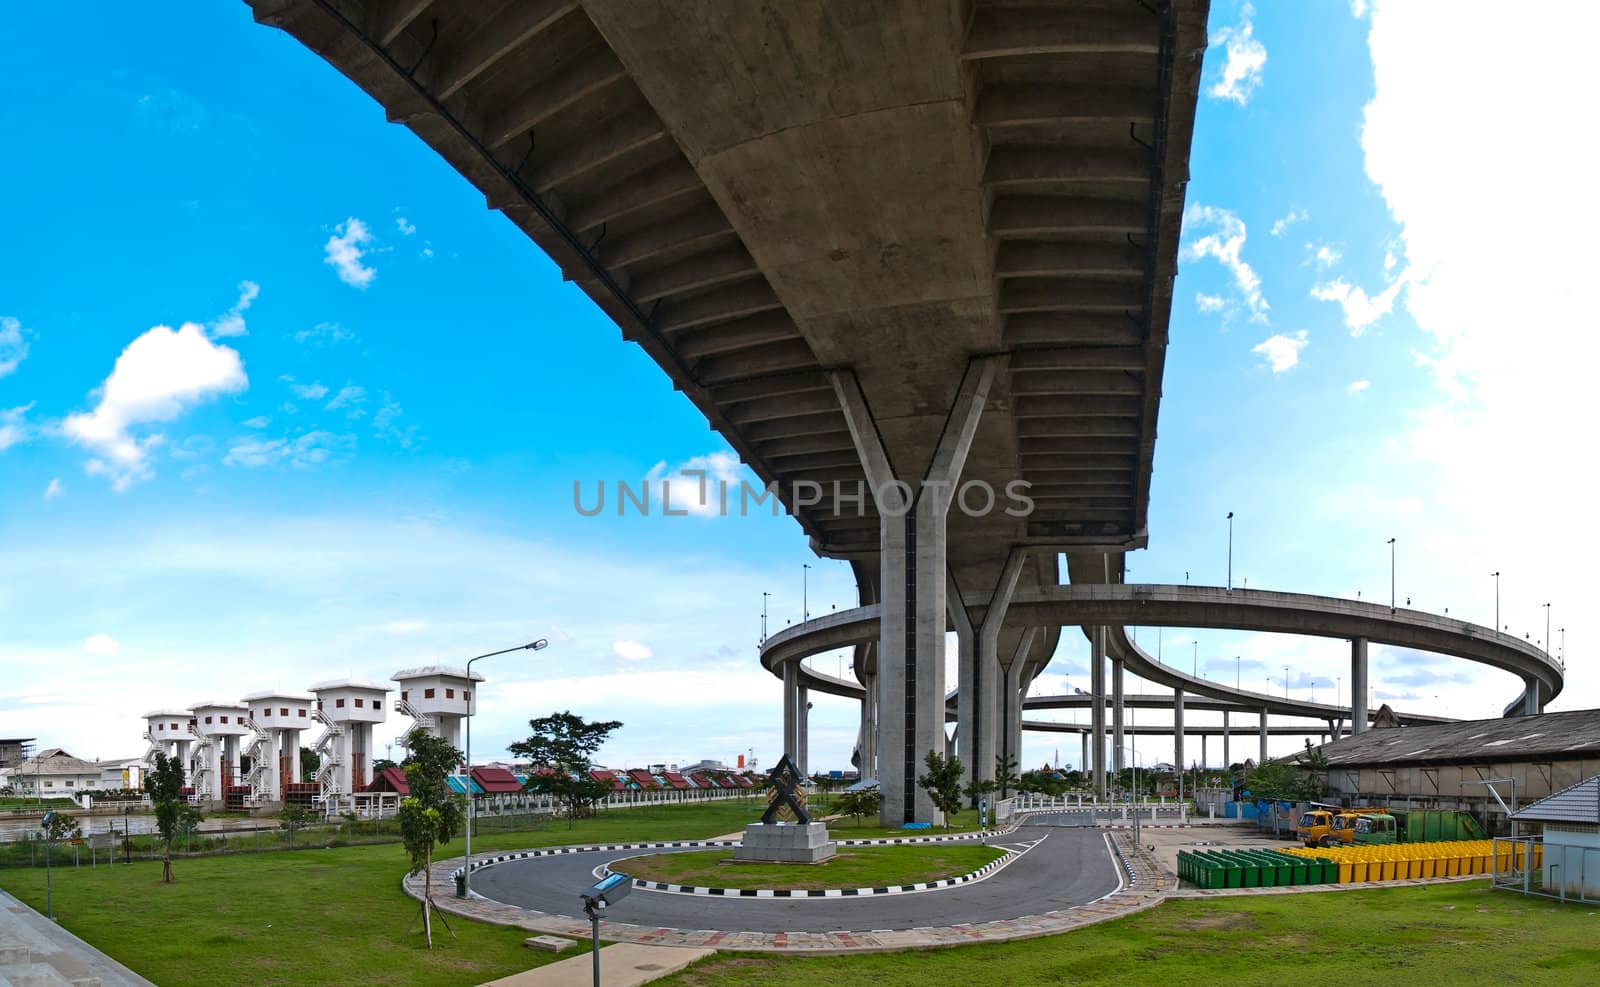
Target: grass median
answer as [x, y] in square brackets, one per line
[863, 867]
[1458, 933]
[318, 915]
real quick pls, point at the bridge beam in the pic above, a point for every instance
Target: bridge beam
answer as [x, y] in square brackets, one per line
[913, 507]
[1358, 685]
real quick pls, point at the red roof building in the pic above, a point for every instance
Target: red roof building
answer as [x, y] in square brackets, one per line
[607, 778]
[645, 779]
[390, 780]
[496, 781]
[677, 781]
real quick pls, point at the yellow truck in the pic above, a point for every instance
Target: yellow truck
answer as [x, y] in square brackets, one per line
[1326, 825]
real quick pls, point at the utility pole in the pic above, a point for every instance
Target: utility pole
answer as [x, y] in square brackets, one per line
[1230, 551]
[1391, 575]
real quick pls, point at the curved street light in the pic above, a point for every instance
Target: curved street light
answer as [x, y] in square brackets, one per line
[466, 867]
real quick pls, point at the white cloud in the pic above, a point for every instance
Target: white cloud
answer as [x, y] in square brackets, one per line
[632, 650]
[1208, 303]
[323, 334]
[1360, 309]
[1325, 256]
[231, 322]
[259, 421]
[13, 348]
[696, 487]
[301, 452]
[1357, 386]
[103, 645]
[384, 424]
[344, 252]
[309, 392]
[405, 226]
[349, 396]
[1282, 352]
[160, 375]
[1245, 57]
[13, 430]
[54, 489]
[1281, 226]
[1224, 243]
[1358, 8]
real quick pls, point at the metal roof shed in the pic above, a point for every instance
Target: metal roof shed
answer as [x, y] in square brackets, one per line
[1571, 819]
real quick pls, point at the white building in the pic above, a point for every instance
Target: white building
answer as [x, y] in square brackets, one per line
[278, 718]
[167, 732]
[127, 772]
[347, 709]
[1571, 820]
[214, 757]
[53, 773]
[437, 698]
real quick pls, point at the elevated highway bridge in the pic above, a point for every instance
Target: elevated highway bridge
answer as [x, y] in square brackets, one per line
[895, 252]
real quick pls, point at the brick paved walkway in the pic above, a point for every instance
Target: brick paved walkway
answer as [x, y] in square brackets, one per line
[1151, 887]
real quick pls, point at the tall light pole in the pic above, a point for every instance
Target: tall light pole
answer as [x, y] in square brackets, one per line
[1547, 630]
[764, 596]
[1196, 659]
[1562, 654]
[1236, 667]
[1286, 681]
[1391, 575]
[805, 586]
[1496, 576]
[1230, 551]
[466, 869]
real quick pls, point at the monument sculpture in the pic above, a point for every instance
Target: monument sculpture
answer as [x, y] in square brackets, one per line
[773, 840]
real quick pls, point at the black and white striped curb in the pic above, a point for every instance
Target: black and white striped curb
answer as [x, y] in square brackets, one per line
[478, 863]
[1127, 865]
[987, 870]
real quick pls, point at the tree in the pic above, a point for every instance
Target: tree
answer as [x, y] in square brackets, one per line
[980, 789]
[310, 764]
[294, 817]
[61, 826]
[1283, 780]
[173, 811]
[564, 745]
[862, 802]
[382, 764]
[1005, 775]
[431, 814]
[943, 784]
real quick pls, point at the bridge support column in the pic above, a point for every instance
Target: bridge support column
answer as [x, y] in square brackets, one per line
[1083, 760]
[981, 676]
[802, 757]
[1012, 693]
[1119, 738]
[1530, 698]
[1262, 759]
[792, 698]
[1097, 718]
[1177, 737]
[1227, 758]
[1358, 685]
[1205, 758]
[869, 727]
[912, 509]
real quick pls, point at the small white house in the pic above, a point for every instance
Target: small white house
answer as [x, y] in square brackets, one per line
[125, 772]
[53, 773]
[1571, 819]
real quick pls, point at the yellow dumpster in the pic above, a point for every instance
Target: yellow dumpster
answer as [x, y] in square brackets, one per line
[1346, 870]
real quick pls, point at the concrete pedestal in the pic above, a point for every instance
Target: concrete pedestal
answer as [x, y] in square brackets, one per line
[781, 843]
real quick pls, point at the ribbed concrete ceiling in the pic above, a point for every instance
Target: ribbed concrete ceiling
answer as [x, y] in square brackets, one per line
[757, 191]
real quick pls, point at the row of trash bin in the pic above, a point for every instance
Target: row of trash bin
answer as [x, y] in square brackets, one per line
[1405, 861]
[1260, 867]
[1250, 867]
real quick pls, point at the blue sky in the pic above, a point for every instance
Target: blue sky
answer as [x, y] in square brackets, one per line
[361, 456]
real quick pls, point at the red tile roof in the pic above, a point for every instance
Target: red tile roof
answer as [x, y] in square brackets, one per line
[390, 780]
[677, 780]
[606, 776]
[644, 778]
[496, 780]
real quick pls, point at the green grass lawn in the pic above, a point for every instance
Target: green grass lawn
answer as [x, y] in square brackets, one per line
[1449, 934]
[317, 915]
[864, 867]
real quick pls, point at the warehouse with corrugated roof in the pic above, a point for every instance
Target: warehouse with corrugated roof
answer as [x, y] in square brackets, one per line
[1472, 765]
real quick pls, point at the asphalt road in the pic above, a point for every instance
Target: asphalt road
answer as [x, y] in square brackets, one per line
[1068, 866]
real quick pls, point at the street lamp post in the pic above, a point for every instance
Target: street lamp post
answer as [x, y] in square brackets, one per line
[1286, 681]
[466, 867]
[1230, 551]
[1496, 576]
[1236, 679]
[1547, 630]
[764, 596]
[805, 589]
[1391, 575]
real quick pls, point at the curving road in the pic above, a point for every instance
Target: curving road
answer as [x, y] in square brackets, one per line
[1068, 864]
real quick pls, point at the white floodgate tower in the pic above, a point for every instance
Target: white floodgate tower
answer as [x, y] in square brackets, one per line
[437, 698]
[347, 709]
[276, 719]
[214, 757]
[167, 730]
